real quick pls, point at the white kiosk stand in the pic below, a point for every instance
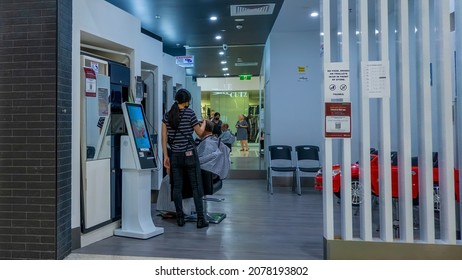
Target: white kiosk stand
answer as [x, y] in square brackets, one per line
[136, 161]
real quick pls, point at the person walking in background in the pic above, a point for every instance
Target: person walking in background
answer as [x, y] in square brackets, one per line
[178, 125]
[242, 133]
[226, 136]
[217, 124]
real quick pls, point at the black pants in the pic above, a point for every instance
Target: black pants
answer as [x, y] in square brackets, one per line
[186, 173]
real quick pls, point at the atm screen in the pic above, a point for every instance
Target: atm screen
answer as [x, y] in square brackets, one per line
[138, 126]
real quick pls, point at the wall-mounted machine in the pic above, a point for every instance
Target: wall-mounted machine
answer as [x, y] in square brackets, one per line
[137, 159]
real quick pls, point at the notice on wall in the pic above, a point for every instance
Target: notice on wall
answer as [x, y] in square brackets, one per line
[302, 75]
[337, 82]
[375, 78]
[337, 120]
[90, 82]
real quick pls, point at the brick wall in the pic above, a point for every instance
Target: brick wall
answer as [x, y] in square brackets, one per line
[64, 125]
[34, 129]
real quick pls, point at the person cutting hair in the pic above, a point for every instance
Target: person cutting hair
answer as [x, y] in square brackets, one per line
[178, 126]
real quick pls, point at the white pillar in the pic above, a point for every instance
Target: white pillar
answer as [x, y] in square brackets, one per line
[346, 211]
[364, 118]
[426, 212]
[404, 121]
[446, 151]
[328, 208]
[458, 22]
[386, 219]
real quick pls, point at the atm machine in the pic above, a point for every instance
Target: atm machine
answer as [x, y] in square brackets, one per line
[137, 159]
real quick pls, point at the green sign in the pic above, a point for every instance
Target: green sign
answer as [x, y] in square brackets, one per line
[245, 77]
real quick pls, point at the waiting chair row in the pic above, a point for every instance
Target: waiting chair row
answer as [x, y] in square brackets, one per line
[307, 161]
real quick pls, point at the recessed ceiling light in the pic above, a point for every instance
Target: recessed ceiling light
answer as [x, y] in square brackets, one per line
[213, 18]
[218, 37]
[223, 62]
[239, 19]
[221, 53]
[225, 69]
[226, 74]
[314, 14]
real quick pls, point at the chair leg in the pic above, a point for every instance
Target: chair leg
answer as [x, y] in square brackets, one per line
[299, 187]
[270, 184]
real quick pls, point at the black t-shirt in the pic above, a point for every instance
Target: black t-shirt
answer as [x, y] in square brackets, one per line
[217, 128]
[179, 141]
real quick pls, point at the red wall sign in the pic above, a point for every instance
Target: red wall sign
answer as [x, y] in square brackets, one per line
[337, 120]
[90, 82]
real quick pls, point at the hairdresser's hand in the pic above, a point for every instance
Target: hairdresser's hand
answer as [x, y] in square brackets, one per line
[167, 163]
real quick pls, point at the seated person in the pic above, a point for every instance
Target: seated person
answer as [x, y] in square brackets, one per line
[226, 136]
[213, 154]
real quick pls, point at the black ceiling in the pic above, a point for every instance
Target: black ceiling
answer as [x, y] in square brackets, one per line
[185, 28]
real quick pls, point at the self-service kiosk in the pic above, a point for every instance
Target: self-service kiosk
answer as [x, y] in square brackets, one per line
[137, 159]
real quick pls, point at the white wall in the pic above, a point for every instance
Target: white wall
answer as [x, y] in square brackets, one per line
[110, 27]
[293, 112]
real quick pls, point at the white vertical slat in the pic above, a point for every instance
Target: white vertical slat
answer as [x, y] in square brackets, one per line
[446, 151]
[346, 211]
[386, 220]
[328, 207]
[426, 212]
[364, 118]
[458, 23]
[404, 120]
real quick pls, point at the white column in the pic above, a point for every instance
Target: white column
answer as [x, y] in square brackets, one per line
[458, 22]
[404, 120]
[386, 219]
[446, 151]
[426, 212]
[347, 217]
[364, 118]
[328, 208]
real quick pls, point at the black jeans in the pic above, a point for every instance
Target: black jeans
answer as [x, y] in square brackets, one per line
[185, 170]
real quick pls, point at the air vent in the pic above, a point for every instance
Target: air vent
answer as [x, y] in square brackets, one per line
[252, 9]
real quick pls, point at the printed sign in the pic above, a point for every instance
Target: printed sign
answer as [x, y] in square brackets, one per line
[337, 82]
[337, 120]
[90, 82]
[375, 78]
[185, 60]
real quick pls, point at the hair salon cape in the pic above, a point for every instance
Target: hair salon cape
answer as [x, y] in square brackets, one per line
[214, 156]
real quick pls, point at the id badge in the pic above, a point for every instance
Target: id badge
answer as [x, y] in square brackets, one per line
[189, 153]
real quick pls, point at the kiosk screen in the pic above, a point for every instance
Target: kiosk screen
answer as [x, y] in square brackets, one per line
[140, 135]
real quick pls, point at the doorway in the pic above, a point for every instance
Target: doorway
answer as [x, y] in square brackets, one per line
[245, 163]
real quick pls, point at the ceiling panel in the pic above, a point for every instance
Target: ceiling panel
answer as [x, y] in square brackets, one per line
[184, 26]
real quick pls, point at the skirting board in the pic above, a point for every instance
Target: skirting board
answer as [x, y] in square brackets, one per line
[378, 250]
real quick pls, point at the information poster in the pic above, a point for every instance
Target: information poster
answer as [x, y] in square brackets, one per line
[376, 78]
[337, 82]
[90, 82]
[337, 120]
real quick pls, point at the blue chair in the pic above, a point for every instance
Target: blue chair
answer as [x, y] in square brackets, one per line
[281, 161]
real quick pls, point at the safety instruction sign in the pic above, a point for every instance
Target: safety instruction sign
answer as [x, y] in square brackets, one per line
[337, 82]
[337, 120]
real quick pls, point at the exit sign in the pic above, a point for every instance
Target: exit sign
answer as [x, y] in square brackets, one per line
[245, 77]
